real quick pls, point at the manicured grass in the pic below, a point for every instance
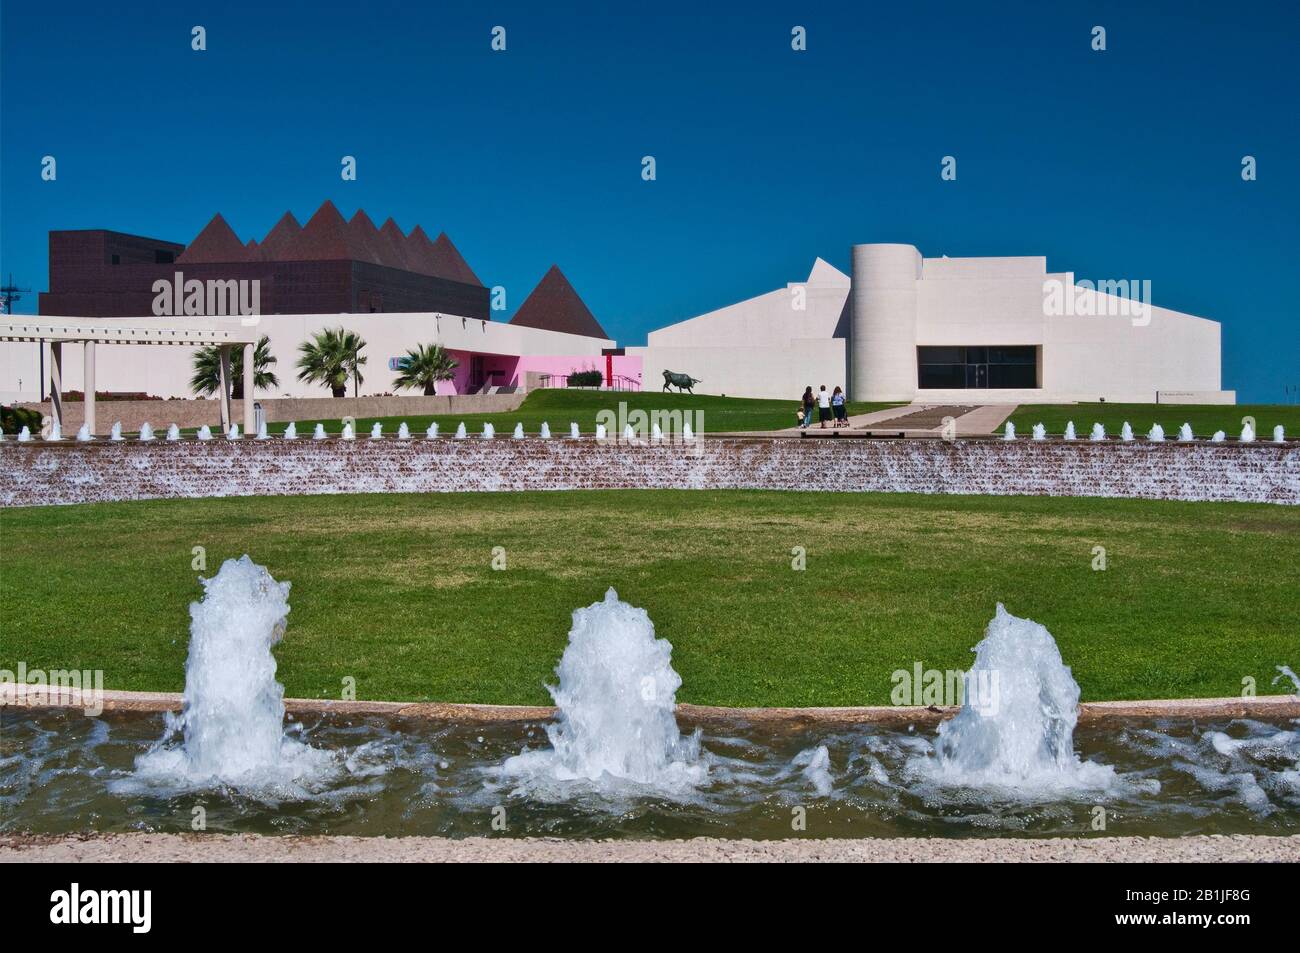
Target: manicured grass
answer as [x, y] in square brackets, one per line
[560, 406]
[1204, 419]
[398, 592]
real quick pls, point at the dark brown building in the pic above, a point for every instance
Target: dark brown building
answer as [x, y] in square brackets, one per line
[327, 266]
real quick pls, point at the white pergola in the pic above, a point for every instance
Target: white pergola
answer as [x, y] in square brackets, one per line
[56, 332]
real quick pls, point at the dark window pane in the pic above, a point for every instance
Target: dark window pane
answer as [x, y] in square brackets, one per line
[933, 376]
[1013, 375]
[941, 355]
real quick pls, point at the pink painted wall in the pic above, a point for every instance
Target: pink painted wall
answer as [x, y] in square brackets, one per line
[510, 369]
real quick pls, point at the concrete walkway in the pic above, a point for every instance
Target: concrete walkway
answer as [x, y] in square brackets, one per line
[978, 420]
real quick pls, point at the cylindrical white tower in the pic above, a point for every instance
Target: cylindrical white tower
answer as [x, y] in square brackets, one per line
[883, 344]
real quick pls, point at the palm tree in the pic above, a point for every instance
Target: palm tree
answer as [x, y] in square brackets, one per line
[331, 358]
[424, 367]
[207, 370]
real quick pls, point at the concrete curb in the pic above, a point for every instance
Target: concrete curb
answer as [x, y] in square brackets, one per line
[1090, 713]
[244, 848]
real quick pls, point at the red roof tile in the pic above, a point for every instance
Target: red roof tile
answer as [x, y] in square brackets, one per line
[327, 237]
[555, 306]
[451, 264]
[216, 243]
[281, 242]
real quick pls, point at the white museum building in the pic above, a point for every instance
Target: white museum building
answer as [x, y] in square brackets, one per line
[965, 330]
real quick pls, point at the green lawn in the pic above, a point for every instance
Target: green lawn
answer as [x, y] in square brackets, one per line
[559, 406]
[1205, 419]
[397, 590]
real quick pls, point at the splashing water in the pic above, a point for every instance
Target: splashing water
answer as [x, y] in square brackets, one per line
[600, 431]
[261, 431]
[319, 432]
[1219, 437]
[1279, 434]
[519, 432]
[403, 431]
[461, 433]
[656, 434]
[432, 432]
[83, 434]
[574, 433]
[1069, 430]
[1285, 671]
[56, 432]
[1015, 730]
[1156, 434]
[230, 732]
[1098, 432]
[205, 432]
[146, 431]
[687, 433]
[233, 433]
[115, 433]
[615, 732]
[1009, 432]
[377, 431]
[1126, 432]
[291, 431]
[629, 435]
[1247, 433]
[24, 435]
[348, 432]
[1040, 432]
[173, 432]
[545, 432]
[816, 765]
[489, 431]
[1185, 433]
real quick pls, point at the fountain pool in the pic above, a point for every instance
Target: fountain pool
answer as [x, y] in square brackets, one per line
[398, 776]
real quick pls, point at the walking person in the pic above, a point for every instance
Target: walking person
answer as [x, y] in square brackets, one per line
[809, 406]
[824, 406]
[838, 405]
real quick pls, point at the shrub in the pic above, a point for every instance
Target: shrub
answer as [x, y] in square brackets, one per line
[586, 379]
[14, 419]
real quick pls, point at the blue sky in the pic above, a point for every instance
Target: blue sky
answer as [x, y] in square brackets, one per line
[1122, 164]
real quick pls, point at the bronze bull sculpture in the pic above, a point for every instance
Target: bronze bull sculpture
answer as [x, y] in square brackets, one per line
[683, 382]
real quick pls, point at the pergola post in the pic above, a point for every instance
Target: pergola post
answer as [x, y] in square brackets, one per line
[88, 378]
[56, 385]
[250, 416]
[223, 380]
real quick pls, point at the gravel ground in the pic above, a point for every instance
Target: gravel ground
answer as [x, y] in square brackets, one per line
[210, 848]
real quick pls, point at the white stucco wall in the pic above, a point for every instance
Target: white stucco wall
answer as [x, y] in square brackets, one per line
[166, 371]
[1000, 301]
[773, 345]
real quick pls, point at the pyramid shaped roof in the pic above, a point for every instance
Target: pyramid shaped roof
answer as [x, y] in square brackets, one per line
[217, 242]
[449, 262]
[555, 306]
[281, 242]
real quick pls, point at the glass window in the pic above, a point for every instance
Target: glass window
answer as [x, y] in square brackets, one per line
[977, 367]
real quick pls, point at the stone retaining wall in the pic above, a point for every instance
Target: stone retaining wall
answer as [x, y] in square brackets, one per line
[36, 473]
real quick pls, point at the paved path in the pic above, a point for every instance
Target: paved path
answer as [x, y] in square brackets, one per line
[917, 418]
[220, 848]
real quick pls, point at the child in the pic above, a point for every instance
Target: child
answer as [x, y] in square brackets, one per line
[809, 402]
